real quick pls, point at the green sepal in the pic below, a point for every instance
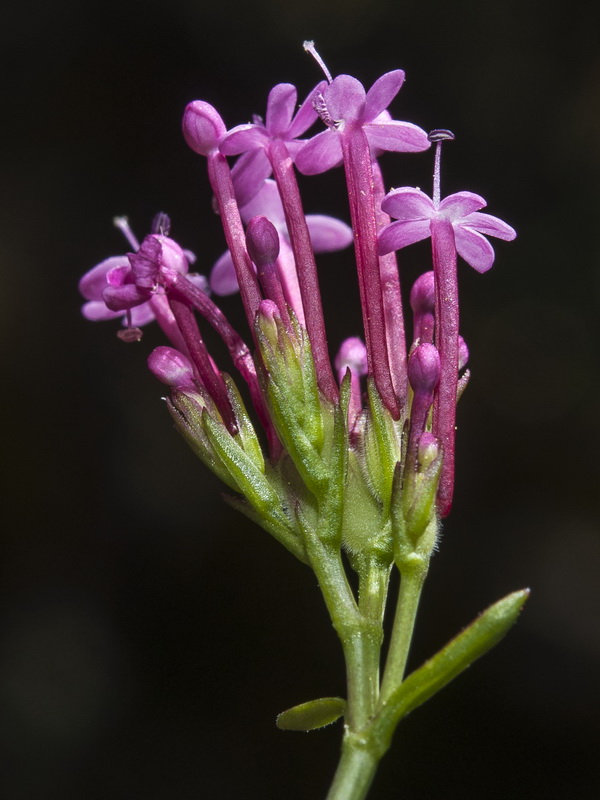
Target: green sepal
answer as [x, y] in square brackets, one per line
[472, 643]
[247, 435]
[381, 448]
[312, 715]
[249, 478]
[331, 509]
[415, 522]
[290, 428]
[290, 385]
[187, 414]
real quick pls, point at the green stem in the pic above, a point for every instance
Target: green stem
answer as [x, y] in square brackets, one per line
[355, 771]
[411, 585]
[372, 595]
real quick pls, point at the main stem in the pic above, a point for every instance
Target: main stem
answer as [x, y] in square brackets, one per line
[361, 750]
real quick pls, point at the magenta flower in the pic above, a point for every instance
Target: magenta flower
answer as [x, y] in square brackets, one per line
[253, 139]
[111, 288]
[344, 106]
[92, 286]
[413, 211]
[455, 227]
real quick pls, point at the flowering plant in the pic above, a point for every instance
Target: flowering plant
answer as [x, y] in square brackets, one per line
[354, 456]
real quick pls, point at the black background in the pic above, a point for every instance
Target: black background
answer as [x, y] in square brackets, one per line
[149, 635]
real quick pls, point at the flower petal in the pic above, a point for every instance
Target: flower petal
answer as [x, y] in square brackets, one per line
[267, 203]
[407, 203]
[124, 297]
[96, 311]
[474, 248]
[320, 153]
[249, 173]
[280, 108]
[490, 226]
[397, 137]
[399, 234]
[141, 315]
[381, 94]
[93, 283]
[242, 138]
[223, 280]
[460, 204]
[288, 275]
[306, 114]
[328, 234]
[345, 99]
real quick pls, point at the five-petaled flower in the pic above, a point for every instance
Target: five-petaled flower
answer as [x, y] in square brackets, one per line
[344, 106]
[253, 139]
[413, 211]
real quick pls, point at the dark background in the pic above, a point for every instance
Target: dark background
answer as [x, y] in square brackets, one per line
[148, 634]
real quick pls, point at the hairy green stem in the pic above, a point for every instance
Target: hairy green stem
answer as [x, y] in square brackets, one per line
[409, 595]
[355, 771]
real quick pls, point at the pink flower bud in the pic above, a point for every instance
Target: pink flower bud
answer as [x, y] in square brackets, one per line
[352, 354]
[171, 367]
[203, 128]
[262, 241]
[424, 368]
[422, 295]
[269, 310]
[427, 450]
[463, 353]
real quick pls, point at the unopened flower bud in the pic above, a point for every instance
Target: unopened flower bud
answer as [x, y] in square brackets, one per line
[422, 295]
[463, 353]
[262, 241]
[424, 369]
[171, 367]
[268, 310]
[203, 128]
[427, 450]
[422, 301]
[353, 355]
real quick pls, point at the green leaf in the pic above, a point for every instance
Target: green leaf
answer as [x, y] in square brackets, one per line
[479, 637]
[312, 715]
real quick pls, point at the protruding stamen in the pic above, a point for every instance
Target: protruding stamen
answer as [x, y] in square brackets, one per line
[129, 335]
[161, 224]
[309, 46]
[438, 136]
[122, 223]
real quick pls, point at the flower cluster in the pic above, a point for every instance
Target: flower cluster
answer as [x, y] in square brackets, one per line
[360, 449]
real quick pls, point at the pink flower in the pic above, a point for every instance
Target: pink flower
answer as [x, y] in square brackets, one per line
[413, 211]
[344, 106]
[254, 138]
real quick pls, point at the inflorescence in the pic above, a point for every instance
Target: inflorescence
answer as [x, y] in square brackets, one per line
[389, 407]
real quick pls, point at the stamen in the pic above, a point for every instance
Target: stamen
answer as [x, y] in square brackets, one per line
[309, 46]
[161, 224]
[122, 223]
[438, 136]
[320, 106]
[129, 335]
